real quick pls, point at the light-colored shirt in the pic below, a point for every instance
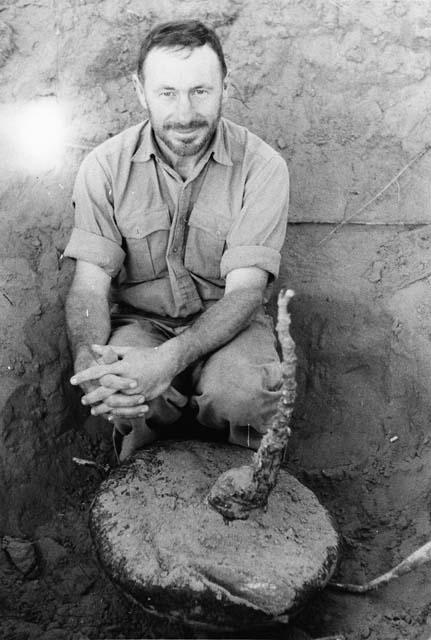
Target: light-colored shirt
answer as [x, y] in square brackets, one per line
[169, 243]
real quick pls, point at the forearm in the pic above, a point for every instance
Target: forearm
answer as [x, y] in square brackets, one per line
[87, 319]
[215, 327]
[153, 369]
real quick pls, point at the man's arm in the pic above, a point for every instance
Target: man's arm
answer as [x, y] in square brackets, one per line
[154, 369]
[244, 293]
[88, 321]
[87, 311]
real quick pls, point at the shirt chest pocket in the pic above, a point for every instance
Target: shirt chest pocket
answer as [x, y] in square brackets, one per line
[206, 239]
[146, 235]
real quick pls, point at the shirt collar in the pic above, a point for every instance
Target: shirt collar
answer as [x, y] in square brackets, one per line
[219, 147]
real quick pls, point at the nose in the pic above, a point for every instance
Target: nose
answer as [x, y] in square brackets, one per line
[184, 108]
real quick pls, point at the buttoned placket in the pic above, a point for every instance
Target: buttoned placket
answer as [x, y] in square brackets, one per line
[183, 288]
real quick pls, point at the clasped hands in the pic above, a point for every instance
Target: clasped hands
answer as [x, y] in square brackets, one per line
[123, 379]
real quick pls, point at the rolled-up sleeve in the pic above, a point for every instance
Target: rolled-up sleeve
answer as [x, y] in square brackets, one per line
[257, 235]
[95, 237]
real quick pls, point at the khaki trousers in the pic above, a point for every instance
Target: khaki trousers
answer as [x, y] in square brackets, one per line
[235, 389]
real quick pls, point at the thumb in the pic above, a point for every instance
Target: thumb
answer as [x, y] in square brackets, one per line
[106, 353]
[109, 351]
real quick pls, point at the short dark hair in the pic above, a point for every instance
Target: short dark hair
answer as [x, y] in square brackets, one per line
[181, 35]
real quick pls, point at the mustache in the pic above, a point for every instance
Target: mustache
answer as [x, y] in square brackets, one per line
[180, 126]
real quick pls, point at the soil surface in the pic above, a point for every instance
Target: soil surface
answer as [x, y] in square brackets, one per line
[66, 595]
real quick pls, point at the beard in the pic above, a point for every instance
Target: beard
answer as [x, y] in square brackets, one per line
[187, 139]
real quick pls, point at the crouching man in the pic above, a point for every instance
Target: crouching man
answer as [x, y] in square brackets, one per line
[179, 222]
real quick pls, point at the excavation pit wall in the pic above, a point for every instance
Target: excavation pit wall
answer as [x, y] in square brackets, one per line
[341, 90]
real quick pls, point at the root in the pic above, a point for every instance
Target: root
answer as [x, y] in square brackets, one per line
[413, 561]
[239, 491]
[382, 191]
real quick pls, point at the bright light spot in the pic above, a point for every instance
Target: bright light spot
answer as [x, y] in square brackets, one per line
[35, 134]
[41, 133]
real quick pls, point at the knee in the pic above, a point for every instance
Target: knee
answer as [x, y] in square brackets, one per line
[229, 404]
[245, 397]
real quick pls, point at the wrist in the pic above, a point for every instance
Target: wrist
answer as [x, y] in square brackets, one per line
[84, 357]
[82, 349]
[172, 353]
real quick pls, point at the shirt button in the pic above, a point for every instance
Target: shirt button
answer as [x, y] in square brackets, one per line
[174, 249]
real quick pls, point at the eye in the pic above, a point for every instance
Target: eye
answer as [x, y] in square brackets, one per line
[167, 93]
[200, 92]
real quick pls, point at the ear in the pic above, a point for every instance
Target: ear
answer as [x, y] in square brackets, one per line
[139, 90]
[226, 87]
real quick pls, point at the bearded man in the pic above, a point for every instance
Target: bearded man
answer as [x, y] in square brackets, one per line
[179, 223]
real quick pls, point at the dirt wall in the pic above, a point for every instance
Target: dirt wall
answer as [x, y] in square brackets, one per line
[341, 88]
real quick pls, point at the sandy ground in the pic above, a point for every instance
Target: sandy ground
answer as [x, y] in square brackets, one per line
[68, 596]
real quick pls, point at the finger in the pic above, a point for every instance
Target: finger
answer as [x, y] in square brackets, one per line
[108, 417]
[97, 395]
[133, 390]
[120, 400]
[111, 414]
[96, 372]
[118, 382]
[89, 386]
[100, 410]
[107, 354]
[119, 351]
[130, 412]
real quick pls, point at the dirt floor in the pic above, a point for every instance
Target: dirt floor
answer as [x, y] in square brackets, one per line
[66, 595]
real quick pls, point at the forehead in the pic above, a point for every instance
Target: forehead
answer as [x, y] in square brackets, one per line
[182, 67]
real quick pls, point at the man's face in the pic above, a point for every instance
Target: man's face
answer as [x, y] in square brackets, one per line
[183, 91]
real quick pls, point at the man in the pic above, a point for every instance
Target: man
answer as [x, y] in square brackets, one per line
[179, 225]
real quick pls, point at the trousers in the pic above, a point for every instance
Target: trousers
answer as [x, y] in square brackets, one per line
[234, 389]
